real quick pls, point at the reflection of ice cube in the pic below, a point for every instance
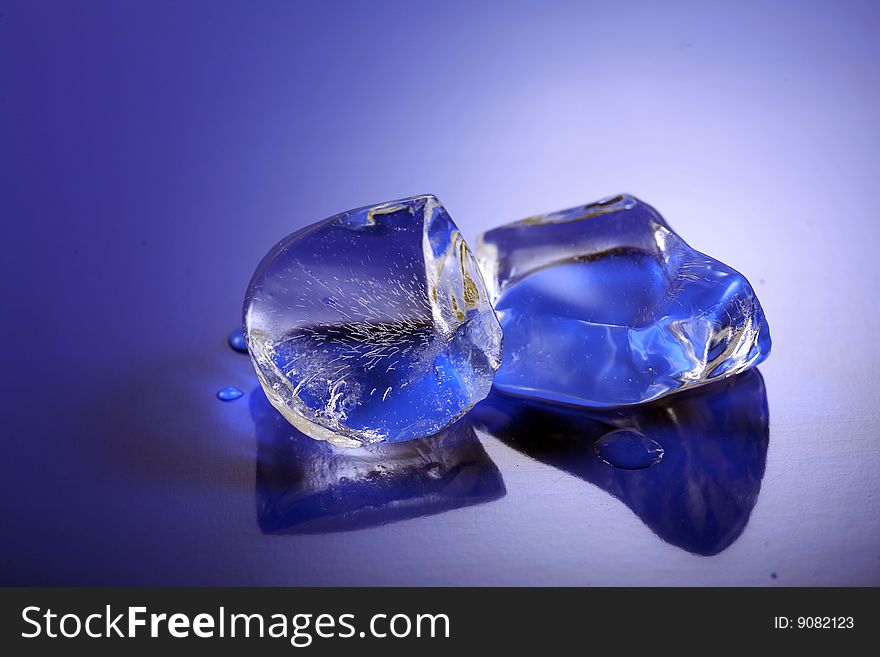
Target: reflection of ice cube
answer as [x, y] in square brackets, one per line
[309, 486]
[714, 440]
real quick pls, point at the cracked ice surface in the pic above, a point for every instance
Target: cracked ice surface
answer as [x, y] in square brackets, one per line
[373, 325]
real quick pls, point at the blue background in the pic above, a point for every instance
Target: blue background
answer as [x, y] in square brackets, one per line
[152, 152]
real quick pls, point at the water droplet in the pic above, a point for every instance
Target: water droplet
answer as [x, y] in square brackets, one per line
[229, 393]
[237, 341]
[628, 449]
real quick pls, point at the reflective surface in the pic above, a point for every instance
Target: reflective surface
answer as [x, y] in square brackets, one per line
[699, 490]
[605, 305]
[306, 486]
[153, 151]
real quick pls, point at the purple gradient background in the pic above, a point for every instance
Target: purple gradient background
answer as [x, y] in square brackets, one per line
[152, 152]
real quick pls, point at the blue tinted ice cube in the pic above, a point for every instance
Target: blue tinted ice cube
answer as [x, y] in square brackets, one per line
[605, 305]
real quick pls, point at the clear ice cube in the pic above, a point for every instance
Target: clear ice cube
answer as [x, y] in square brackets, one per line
[373, 325]
[605, 305]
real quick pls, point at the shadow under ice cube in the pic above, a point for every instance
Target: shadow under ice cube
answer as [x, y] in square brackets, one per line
[306, 486]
